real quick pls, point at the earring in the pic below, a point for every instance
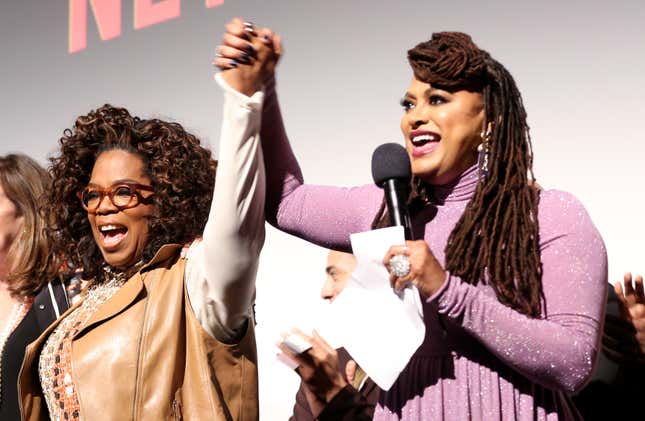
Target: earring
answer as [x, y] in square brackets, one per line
[483, 151]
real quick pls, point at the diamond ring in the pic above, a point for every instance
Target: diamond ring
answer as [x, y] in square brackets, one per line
[399, 265]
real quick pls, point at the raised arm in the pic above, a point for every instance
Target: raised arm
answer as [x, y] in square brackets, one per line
[221, 269]
[324, 215]
[558, 350]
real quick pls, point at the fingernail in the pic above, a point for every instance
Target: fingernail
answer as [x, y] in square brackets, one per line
[233, 63]
[250, 49]
[266, 39]
[249, 29]
[246, 59]
[247, 23]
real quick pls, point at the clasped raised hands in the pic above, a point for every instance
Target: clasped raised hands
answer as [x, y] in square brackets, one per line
[247, 56]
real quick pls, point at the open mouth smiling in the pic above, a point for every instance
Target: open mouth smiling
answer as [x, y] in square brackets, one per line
[424, 142]
[112, 234]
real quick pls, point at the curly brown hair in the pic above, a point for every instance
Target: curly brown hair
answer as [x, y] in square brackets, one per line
[181, 170]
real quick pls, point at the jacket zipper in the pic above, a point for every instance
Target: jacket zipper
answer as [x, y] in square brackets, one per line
[139, 345]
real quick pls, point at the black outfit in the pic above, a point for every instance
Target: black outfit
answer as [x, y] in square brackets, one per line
[37, 319]
[618, 385]
[349, 405]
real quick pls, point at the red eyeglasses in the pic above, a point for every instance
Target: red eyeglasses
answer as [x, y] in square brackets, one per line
[122, 196]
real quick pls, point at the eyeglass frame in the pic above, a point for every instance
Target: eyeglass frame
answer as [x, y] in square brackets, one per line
[111, 191]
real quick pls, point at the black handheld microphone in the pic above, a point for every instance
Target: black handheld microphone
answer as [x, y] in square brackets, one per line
[391, 171]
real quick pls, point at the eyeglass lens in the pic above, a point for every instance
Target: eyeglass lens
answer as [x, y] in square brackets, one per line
[119, 195]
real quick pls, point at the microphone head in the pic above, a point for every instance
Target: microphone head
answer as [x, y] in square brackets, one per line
[390, 160]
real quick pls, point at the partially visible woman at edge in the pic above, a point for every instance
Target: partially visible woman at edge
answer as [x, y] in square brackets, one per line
[513, 278]
[31, 294]
[160, 333]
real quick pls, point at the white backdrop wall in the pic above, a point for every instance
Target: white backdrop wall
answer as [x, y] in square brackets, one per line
[579, 65]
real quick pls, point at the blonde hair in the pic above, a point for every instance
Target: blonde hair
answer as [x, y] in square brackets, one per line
[30, 263]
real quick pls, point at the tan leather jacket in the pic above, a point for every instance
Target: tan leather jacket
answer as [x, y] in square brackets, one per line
[144, 356]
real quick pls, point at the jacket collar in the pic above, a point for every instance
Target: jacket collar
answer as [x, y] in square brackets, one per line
[133, 287]
[165, 253]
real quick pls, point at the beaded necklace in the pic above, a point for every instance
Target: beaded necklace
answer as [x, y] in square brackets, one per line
[54, 366]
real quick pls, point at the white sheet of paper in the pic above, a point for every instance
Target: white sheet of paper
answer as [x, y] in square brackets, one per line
[382, 330]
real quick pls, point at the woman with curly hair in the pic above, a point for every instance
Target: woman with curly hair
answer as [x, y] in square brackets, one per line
[160, 333]
[513, 278]
[31, 295]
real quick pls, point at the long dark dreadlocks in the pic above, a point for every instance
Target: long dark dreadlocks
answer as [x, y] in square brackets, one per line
[497, 236]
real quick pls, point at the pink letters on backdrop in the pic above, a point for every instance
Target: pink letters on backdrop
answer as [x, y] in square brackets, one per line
[147, 13]
[107, 14]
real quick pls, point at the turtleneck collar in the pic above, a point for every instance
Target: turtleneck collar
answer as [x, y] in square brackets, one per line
[458, 190]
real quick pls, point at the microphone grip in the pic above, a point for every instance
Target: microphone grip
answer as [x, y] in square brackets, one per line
[396, 196]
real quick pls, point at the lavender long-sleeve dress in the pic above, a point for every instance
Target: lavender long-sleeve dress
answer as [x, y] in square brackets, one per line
[480, 359]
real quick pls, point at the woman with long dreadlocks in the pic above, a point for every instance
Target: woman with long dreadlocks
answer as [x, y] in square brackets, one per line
[513, 278]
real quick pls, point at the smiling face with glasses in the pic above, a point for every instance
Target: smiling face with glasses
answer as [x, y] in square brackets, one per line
[118, 200]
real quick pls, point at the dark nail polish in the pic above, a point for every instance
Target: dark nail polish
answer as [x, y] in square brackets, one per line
[245, 58]
[233, 63]
[250, 49]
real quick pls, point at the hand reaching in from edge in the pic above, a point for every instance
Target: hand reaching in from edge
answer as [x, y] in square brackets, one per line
[631, 301]
[247, 56]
